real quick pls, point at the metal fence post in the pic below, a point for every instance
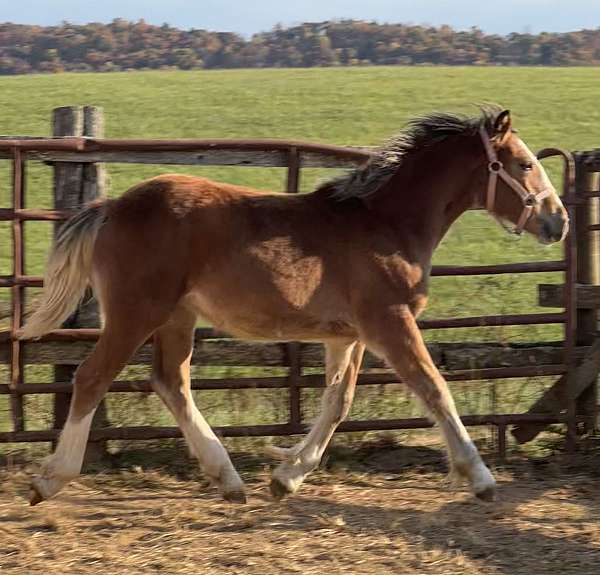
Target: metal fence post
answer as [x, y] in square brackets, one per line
[588, 273]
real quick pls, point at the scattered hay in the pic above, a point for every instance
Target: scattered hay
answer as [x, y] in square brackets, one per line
[357, 521]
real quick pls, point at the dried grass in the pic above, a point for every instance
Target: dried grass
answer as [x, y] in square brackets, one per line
[354, 520]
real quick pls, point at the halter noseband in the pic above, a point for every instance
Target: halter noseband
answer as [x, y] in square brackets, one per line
[497, 170]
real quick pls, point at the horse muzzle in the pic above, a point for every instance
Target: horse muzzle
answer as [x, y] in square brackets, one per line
[552, 227]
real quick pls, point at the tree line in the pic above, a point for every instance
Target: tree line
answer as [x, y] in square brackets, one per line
[124, 45]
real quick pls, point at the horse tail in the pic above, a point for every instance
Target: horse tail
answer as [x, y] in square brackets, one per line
[68, 270]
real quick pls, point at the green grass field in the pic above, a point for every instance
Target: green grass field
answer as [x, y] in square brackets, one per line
[361, 106]
[342, 106]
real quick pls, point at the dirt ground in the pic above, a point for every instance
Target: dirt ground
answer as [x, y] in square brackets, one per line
[385, 510]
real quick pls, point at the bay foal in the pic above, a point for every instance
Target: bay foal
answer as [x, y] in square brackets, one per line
[347, 265]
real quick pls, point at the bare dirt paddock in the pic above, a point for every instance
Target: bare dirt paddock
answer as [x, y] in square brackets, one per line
[388, 511]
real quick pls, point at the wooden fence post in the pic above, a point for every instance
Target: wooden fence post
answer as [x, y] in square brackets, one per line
[75, 185]
[588, 273]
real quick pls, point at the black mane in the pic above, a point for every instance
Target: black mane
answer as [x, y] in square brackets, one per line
[419, 134]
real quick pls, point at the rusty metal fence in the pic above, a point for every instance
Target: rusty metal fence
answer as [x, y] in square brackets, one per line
[71, 345]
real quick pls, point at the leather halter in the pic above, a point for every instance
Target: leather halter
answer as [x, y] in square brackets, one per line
[496, 170]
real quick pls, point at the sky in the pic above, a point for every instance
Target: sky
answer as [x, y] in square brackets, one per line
[250, 16]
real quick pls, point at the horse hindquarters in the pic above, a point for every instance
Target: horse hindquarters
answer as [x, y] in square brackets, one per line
[133, 306]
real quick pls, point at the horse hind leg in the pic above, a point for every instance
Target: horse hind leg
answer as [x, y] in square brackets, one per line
[173, 344]
[343, 361]
[118, 342]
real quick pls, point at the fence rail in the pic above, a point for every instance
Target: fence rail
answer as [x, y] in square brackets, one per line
[459, 362]
[149, 432]
[215, 152]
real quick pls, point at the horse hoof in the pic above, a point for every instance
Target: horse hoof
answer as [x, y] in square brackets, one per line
[35, 496]
[235, 497]
[488, 494]
[278, 489]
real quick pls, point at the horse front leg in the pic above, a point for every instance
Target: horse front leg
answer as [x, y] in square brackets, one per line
[343, 361]
[392, 332]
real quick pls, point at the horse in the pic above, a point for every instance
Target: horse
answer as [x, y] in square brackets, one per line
[346, 265]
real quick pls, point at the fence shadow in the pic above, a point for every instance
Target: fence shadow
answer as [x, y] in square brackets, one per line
[172, 458]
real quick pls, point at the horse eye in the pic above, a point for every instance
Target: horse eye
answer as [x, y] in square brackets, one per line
[527, 166]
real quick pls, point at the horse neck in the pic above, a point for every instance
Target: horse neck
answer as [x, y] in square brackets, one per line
[427, 194]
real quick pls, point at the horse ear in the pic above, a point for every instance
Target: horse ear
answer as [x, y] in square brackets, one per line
[502, 127]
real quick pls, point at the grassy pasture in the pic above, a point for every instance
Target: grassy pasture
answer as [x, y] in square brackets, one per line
[361, 106]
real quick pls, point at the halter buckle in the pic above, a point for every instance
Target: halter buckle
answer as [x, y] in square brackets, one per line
[495, 166]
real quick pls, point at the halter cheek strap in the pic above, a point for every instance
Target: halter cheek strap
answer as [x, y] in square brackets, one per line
[496, 170]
